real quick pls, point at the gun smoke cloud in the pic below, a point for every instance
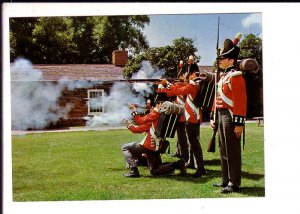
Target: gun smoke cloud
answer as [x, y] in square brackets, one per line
[122, 94]
[146, 72]
[35, 105]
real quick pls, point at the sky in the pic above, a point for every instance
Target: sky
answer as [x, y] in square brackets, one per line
[202, 28]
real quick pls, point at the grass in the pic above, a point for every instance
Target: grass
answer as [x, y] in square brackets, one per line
[89, 166]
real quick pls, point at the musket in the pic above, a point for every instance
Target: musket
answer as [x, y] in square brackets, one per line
[212, 143]
[141, 80]
[137, 105]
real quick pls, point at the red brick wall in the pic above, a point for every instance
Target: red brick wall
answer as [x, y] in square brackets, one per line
[77, 98]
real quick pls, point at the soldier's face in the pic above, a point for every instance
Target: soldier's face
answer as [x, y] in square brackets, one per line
[225, 63]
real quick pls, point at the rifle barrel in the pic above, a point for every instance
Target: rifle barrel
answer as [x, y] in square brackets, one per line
[148, 80]
[141, 80]
[212, 144]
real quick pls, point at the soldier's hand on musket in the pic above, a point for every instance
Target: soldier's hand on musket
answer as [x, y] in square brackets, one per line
[238, 130]
[126, 122]
[132, 107]
[163, 82]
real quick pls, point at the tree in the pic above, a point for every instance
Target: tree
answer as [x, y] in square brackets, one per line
[20, 34]
[87, 51]
[251, 47]
[54, 38]
[119, 32]
[166, 58]
[76, 39]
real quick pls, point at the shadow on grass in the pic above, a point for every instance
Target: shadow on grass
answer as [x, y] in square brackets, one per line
[253, 191]
[211, 174]
[189, 177]
[253, 176]
[213, 162]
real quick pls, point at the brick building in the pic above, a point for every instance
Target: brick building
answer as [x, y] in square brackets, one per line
[79, 97]
[90, 76]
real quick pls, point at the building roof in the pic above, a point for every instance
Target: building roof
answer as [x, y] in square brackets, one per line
[105, 72]
[55, 72]
[206, 68]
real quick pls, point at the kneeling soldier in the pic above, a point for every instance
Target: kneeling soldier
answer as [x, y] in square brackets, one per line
[149, 145]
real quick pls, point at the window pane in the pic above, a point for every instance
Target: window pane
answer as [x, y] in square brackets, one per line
[95, 101]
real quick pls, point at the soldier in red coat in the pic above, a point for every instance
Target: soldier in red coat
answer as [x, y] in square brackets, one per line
[182, 146]
[150, 144]
[231, 103]
[192, 114]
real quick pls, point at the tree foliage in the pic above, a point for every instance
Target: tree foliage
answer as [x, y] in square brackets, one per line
[54, 39]
[76, 39]
[21, 44]
[251, 47]
[119, 32]
[166, 57]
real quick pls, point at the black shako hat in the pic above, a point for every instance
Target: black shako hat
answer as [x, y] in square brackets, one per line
[229, 50]
[160, 97]
[193, 68]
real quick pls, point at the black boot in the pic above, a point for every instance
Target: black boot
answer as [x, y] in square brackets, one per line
[180, 164]
[230, 189]
[199, 172]
[133, 173]
[190, 166]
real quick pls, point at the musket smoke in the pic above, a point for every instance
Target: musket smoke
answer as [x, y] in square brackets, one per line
[35, 103]
[146, 72]
[116, 103]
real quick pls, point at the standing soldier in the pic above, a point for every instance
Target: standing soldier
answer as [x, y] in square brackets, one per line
[182, 142]
[192, 115]
[231, 104]
[191, 65]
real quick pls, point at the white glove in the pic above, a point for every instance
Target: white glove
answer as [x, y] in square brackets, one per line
[160, 86]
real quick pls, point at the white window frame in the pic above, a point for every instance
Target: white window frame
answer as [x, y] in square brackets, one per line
[90, 97]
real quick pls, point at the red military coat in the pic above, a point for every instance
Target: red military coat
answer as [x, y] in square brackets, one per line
[232, 95]
[192, 113]
[148, 124]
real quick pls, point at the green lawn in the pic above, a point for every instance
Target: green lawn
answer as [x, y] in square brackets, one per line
[89, 165]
